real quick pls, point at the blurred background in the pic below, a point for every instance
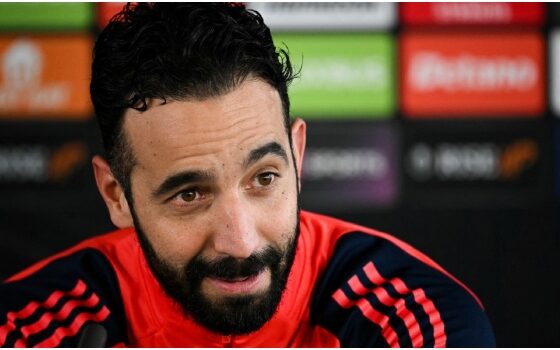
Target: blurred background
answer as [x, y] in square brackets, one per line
[436, 122]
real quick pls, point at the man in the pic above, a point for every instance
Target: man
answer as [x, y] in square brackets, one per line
[202, 180]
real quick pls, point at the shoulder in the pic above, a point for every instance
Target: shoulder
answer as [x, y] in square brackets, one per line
[48, 304]
[379, 291]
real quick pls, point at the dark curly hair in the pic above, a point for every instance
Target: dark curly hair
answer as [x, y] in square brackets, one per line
[172, 51]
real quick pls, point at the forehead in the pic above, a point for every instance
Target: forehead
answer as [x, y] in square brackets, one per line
[192, 129]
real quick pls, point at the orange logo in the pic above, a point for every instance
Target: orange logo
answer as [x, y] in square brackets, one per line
[66, 159]
[486, 75]
[45, 77]
[517, 157]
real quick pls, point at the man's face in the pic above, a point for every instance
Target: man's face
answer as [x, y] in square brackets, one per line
[215, 203]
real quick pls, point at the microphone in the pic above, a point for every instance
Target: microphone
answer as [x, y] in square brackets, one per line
[94, 335]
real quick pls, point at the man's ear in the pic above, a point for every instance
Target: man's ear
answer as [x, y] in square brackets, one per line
[112, 193]
[299, 136]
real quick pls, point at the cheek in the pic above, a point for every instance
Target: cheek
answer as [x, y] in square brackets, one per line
[279, 216]
[176, 241]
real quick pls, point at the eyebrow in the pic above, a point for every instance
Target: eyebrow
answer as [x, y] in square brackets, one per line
[259, 153]
[186, 177]
[183, 178]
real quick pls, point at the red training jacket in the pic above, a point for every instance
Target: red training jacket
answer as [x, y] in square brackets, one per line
[349, 286]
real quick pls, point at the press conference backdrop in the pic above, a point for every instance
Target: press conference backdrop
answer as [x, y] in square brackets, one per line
[435, 122]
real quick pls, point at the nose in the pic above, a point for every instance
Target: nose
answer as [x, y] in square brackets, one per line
[235, 233]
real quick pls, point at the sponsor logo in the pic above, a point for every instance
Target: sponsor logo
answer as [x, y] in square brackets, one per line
[326, 15]
[472, 161]
[473, 75]
[23, 163]
[345, 163]
[477, 164]
[45, 77]
[21, 67]
[431, 71]
[335, 73]
[517, 158]
[41, 164]
[345, 75]
[349, 170]
[472, 13]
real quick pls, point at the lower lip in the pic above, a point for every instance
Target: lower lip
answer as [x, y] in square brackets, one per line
[249, 285]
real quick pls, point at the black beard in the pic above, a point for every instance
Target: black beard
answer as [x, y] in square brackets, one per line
[230, 315]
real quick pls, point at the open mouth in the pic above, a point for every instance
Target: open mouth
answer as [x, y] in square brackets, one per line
[238, 285]
[238, 279]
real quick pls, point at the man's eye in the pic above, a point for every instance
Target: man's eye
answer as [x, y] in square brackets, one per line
[189, 195]
[265, 179]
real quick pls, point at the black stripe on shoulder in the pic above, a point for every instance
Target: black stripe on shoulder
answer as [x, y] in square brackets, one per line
[371, 281]
[52, 306]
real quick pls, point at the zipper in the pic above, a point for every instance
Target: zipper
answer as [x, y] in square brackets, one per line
[227, 341]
